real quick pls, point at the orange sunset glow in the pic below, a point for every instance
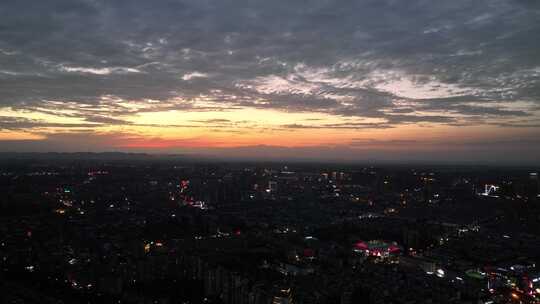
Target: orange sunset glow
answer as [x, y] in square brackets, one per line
[339, 86]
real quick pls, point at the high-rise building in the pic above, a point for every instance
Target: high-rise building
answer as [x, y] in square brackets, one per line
[272, 186]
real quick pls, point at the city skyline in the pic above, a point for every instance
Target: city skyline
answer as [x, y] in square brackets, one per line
[348, 80]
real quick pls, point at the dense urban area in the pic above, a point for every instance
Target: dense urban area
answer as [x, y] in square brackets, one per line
[165, 230]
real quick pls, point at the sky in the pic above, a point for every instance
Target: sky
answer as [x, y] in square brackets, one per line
[306, 79]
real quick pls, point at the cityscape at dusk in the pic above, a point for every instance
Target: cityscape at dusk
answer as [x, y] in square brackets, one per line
[269, 152]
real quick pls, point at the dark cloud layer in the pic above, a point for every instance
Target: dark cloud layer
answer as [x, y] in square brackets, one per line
[446, 62]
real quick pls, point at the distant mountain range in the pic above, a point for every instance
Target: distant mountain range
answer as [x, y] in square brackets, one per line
[90, 156]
